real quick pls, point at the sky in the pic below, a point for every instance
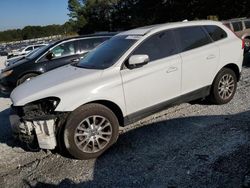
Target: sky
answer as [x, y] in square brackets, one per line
[20, 13]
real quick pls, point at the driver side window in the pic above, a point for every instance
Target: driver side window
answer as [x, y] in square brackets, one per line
[64, 49]
[158, 46]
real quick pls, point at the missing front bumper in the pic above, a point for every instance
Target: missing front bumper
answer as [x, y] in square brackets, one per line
[27, 131]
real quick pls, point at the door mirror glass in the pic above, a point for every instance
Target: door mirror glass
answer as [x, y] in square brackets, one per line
[138, 60]
[50, 56]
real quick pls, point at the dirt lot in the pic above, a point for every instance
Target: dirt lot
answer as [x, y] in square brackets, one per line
[194, 145]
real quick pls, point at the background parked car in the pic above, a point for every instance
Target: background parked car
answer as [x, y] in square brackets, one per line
[14, 59]
[25, 50]
[3, 51]
[241, 27]
[49, 57]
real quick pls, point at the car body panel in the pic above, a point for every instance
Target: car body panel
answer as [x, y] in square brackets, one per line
[152, 84]
[63, 83]
[198, 67]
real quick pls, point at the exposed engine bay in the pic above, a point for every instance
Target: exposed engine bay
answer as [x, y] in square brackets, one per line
[37, 123]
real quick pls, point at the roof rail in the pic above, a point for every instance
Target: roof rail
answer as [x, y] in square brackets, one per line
[235, 19]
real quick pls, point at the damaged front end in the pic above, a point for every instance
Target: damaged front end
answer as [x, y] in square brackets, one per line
[37, 122]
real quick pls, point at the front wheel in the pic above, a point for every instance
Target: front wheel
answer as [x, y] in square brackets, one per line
[90, 130]
[224, 87]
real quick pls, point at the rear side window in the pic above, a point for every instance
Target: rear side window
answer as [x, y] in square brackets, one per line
[247, 24]
[158, 46]
[215, 32]
[192, 37]
[237, 26]
[89, 44]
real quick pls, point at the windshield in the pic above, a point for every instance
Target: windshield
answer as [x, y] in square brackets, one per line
[39, 51]
[108, 53]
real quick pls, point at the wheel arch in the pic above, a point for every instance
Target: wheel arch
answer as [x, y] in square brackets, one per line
[113, 107]
[234, 68]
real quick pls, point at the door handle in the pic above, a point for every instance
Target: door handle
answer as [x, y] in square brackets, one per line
[172, 69]
[211, 57]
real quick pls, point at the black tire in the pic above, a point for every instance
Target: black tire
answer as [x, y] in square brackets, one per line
[77, 118]
[26, 77]
[215, 95]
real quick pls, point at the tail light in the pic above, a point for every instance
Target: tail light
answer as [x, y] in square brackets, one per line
[243, 43]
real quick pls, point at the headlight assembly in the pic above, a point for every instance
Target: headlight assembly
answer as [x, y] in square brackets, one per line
[41, 107]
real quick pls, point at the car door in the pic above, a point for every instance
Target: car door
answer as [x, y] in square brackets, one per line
[63, 54]
[149, 86]
[200, 58]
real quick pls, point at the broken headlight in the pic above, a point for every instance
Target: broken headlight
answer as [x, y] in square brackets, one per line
[41, 108]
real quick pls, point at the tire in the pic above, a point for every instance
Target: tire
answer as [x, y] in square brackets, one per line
[85, 128]
[224, 87]
[26, 78]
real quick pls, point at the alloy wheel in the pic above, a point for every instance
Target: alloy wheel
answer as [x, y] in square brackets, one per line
[93, 134]
[226, 86]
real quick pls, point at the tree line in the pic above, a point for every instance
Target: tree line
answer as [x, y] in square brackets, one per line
[88, 16]
[113, 15]
[30, 32]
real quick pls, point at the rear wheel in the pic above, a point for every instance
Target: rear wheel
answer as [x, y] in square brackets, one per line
[224, 87]
[90, 130]
[26, 77]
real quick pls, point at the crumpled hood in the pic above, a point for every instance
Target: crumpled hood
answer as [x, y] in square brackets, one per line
[53, 84]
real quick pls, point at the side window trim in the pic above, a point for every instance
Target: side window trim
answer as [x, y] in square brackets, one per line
[179, 40]
[206, 31]
[43, 55]
[75, 53]
[145, 40]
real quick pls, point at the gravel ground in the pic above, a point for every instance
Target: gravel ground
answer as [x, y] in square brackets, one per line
[190, 145]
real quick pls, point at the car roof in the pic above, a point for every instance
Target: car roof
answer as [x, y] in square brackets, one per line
[147, 29]
[101, 34]
[106, 34]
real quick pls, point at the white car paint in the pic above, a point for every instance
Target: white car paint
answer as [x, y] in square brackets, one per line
[136, 89]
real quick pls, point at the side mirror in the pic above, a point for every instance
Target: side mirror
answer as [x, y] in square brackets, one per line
[50, 56]
[138, 61]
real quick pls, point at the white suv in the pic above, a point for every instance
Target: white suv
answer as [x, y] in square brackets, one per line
[136, 73]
